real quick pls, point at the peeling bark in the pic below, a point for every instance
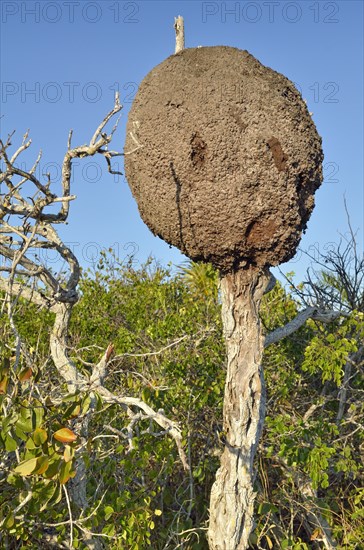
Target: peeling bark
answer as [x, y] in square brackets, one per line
[70, 374]
[180, 34]
[232, 495]
[58, 345]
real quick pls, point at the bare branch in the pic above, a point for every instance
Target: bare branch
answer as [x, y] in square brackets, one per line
[116, 109]
[99, 370]
[168, 425]
[336, 279]
[311, 510]
[28, 227]
[150, 353]
[133, 135]
[22, 148]
[300, 319]
[19, 289]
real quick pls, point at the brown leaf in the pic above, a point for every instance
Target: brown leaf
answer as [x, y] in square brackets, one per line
[316, 533]
[65, 435]
[109, 352]
[4, 384]
[25, 374]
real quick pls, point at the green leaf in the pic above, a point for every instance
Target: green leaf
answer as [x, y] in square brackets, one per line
[38, 414]
[47, 492]
[57, 496]
[109, 529]
[15, 480]
[108, 511]
[27, 467]
[66, 472]
[86, 402]
[71, 397]
[68, 453]
[54, 466]
[9, 521]
[30, 445]
[42, 465]
[10, 443]
[25, 425]
[72, 411]
[265, 507]
[40, 436]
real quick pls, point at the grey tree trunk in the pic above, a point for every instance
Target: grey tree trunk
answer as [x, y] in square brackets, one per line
[58, 344]
[232, 495]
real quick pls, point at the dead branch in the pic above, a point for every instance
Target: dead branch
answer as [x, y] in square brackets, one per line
[28, 226]
[310, 312]
[180, 34]
[336, 279]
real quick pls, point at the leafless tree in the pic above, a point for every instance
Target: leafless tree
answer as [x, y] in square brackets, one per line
[29, 213]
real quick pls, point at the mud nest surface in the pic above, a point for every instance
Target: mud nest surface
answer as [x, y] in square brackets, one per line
[223, 158]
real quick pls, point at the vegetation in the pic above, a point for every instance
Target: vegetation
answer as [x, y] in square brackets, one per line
[112, 385]
[168, 349]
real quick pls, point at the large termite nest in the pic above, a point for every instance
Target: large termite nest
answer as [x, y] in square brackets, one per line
[223, 158]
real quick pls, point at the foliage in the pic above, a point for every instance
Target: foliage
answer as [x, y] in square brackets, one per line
[166, 331]
[312, 449]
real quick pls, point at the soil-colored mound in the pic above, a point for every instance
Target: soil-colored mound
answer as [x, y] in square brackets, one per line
[223, 158]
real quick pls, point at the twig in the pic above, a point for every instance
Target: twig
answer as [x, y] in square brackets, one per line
[70, 514]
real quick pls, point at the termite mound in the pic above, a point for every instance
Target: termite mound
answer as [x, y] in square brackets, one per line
[223, 158]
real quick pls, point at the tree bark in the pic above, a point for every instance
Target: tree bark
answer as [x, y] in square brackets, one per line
[180, 34]
[232, 495]
[69, 373]
[58, 345]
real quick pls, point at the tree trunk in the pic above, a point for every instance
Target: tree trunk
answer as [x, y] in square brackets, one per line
[58, 344]
[232, 495]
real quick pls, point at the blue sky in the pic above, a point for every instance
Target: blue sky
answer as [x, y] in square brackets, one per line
[61, 62]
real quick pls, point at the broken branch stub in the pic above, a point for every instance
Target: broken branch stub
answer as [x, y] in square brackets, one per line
[226, 166]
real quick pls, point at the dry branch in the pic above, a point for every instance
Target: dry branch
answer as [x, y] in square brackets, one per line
[27, 226]
[300, 319]
[180, 33]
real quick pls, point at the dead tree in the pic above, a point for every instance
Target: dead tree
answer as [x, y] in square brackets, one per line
[28, 225]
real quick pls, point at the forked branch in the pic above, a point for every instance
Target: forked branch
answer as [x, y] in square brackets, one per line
[27, 227]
